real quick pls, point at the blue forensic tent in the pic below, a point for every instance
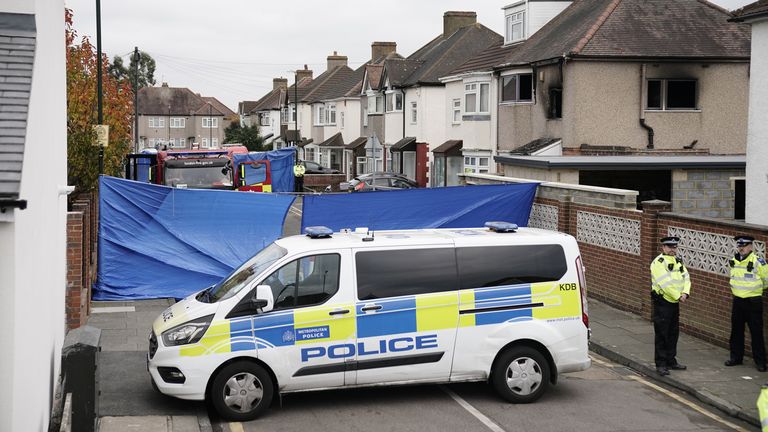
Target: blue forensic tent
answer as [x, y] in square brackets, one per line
[281, 162]
[448, 207]
[157, 242]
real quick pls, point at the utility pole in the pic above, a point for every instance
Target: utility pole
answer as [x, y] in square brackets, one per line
[210, 127]
[168, 143]
[136, 59]
[296, 106]
[98, 82]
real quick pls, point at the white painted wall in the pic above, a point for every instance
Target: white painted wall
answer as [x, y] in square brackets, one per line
[350, 129]
[542, 12]
[32, 247]
[305, 120]
[757, 136]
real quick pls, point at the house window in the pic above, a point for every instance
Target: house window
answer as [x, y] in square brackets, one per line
[214, 143]
[330, 114]
[152, 143]
[320, 115]
[476, 164]
[365, 116]
[555, 109]
[515, 27]
[672, 94]
[210, 122]
[157, 122]
[457, 110]
[517, 88]
[264, 119]
[205, 143]
[309, 154]
[476, 98]
[375, 104]
[285, 117]
[362, 163]
[341, 119]
[394, 101]
[178, 122]
[414, 113]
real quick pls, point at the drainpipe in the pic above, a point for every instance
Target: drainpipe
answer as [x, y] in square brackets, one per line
[643, 101]
[400, 168]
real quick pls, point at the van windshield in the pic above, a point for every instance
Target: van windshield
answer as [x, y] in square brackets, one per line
[243, 276]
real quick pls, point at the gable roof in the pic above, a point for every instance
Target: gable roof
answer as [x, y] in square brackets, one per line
[299, 91]
[637, 29]
[331, 84]
[753, 10]
[270, 101]
[336, 140]
[486, 60]
[180, 101]
[444, 54]
[357, 142]
[17, 40]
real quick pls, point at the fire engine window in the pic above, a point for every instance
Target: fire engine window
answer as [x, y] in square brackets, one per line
[305, 282]
[405, 272]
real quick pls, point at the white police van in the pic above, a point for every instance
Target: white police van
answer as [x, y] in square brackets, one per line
[358, 308]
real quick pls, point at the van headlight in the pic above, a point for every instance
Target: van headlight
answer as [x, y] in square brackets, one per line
[187, 333]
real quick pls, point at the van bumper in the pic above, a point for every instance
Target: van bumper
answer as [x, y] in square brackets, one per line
[575, 366]
[195, 371]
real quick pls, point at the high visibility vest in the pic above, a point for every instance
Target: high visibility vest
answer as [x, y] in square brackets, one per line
[670, 278]
[762, 408]
[298, 170]
[749, 276]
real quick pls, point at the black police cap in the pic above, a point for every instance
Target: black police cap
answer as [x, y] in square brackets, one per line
[742, 240]
[670, 241]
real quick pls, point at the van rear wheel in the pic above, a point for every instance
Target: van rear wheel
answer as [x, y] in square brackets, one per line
[241, 391]
[521, 375]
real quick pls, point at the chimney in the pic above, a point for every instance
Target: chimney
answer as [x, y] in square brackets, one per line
[165, 84]
[303, 73]
[279, 83]
[382, 49]
[336, 60]
[453, 20]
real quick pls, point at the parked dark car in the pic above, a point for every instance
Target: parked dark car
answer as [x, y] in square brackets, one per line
[379, 181]
[316, 168]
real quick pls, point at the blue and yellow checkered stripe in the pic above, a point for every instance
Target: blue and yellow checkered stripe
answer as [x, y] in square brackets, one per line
[428, 312]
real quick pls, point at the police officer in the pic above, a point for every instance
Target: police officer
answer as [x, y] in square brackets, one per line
[762, 407]
[749, 277]
[298, 174]
[670, 285]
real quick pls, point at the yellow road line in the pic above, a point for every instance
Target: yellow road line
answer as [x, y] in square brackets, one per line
[687, 403]
[236, 427]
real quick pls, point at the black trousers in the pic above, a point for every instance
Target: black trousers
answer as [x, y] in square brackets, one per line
[747, 311]
[299, 184]
[666, 326]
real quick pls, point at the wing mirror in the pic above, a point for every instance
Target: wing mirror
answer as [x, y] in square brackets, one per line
[263, 301]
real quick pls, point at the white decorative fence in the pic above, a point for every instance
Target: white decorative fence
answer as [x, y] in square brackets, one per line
[708, 251]
[611, 232]
[544, 216]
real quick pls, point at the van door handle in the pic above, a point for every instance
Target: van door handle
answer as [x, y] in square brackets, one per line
[371, 308]
[339, 312]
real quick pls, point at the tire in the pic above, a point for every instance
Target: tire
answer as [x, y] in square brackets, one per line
[241, 391]
[521, 374]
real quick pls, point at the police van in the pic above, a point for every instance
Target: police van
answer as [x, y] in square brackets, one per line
[359, 308]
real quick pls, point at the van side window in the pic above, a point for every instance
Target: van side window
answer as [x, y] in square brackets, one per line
[405, 272]
[305, 282]
[509, 265]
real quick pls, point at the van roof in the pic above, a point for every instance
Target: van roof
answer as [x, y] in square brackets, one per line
[422, 237]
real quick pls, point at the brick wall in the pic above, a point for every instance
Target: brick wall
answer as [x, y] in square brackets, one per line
[622, 279]
[82, 222]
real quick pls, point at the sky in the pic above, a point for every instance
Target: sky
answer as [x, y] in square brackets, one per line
[232, 49]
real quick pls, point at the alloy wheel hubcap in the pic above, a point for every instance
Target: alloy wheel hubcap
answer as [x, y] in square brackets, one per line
[524, 376]
[243, 392]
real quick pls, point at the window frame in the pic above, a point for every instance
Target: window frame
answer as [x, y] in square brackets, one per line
[512, 20]
[210, 123]
[330, 114]
[178, 123]
[414, 112]
[517, 98]
[297, 283]
[475, 89]
[664, 95]
[473, 163]
[456, 109]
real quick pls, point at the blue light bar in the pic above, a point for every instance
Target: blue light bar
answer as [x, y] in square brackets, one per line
[316, 232]
[501, 227]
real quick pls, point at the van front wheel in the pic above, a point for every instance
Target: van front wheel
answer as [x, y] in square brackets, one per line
[521, 375]
[241, 391]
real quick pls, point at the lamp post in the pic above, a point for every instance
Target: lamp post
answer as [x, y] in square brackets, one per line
[168, 143]
[98, 82]
[136, 59]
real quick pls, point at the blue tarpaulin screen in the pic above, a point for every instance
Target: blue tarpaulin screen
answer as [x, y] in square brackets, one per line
[158, 242]
[281, 162]
[449, 207]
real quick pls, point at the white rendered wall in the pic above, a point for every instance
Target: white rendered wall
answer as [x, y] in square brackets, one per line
[540, 13]
[352, 120]
[756, 210]
[33, 279]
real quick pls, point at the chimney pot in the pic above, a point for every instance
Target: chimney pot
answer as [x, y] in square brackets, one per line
[382, 49]
[279, 83]
[336, 60]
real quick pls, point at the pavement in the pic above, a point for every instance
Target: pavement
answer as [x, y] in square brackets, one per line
[127, 401]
